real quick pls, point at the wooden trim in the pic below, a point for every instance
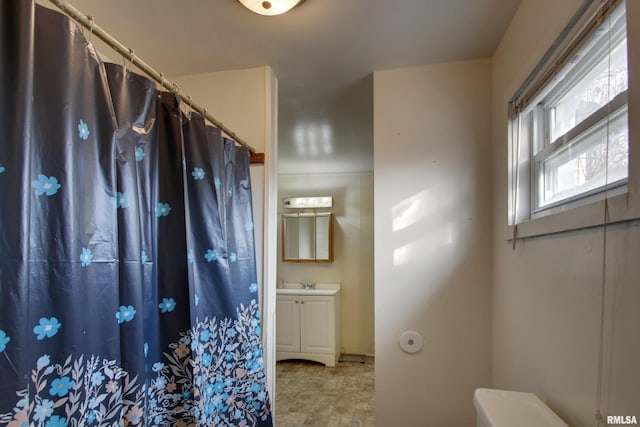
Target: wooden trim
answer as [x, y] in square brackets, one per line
[331, 243]
[256, 159]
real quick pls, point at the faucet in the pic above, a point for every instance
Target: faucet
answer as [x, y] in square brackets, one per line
[308, 285]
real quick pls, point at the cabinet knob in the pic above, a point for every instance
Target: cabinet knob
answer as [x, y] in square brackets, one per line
[302, 302]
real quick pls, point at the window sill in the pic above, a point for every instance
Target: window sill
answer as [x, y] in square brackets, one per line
[621, 208]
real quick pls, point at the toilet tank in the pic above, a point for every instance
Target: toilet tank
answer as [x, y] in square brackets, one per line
[502, 408]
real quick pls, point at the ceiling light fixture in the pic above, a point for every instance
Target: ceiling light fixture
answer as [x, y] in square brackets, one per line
[270, 7]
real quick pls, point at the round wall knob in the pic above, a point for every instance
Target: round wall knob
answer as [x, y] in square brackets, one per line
[411, 342]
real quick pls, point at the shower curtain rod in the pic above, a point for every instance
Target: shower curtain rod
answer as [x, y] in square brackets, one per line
[128, 54]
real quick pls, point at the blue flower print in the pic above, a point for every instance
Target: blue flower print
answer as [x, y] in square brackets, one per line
[47, 328]
[205, 335]
[139, 154]
[86, 256]
[197, 299]
[94, 402]
[2, 169]
[146, 349]
[206, 359]
[61, 386]
[43, 410]
[217, 182]
[248, 225]
[96, 379]
[143, 257]
[211, 255]
[4, 340]
[233, 257]
[161, 382]
[83, 130]
[162, 209]
[209, 408]
[190, 257]
[125, 313]
[255, 387]
[209, 390]
[167, 305]
[198, 174]
[46, 185]
[57, 421]
[230, 193]
[253, 287]
[43, 361]
[229, 381]
[91, 418]
[121, 200]
[228, 344]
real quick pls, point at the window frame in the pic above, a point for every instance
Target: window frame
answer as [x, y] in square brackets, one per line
[616, 201]
[597, 121]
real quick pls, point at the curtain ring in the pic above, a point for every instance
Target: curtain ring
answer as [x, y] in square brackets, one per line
[91, 28]
[124, 61]
[189, 104]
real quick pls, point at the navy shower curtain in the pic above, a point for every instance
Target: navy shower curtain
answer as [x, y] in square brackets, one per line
[128, 290]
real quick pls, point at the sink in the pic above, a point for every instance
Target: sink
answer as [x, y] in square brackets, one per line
[326, 289]
[307, 291]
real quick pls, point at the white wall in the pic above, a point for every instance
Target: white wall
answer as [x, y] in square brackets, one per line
[432, 180]
[548, 292]
[352, 266]
[246, 102]
[238, 98]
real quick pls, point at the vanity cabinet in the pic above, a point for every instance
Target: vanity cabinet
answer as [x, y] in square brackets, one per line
[307, 327]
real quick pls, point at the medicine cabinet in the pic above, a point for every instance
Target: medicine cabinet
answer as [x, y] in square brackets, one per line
[307, 237]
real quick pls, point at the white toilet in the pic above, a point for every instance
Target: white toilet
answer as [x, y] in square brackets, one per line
[502, 408]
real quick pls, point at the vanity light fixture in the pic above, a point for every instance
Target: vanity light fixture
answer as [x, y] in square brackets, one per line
[270, 7]
[307, 202]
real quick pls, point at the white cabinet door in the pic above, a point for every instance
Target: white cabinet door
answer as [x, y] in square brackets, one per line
[317, 324]
[288, 323]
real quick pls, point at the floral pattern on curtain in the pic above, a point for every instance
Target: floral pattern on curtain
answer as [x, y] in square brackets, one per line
[128, 288]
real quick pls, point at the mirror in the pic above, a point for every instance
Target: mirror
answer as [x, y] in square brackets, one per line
[307, 237]
[299, 237]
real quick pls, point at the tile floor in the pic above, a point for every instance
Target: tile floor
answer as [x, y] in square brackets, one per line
[310, 394]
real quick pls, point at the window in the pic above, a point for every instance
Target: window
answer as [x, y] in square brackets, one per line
[568, 128]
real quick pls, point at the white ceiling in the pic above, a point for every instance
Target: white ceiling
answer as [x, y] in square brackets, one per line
[323, 53]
